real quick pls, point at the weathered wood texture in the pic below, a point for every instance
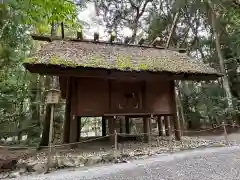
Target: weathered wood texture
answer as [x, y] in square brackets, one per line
[67, 91]
[97, 97]
[92, 97]
[176, 123]
[160, 125]
[146, 129]
[158, 97]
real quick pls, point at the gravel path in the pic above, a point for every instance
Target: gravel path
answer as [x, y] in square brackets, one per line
[231, 137]
[204, 164]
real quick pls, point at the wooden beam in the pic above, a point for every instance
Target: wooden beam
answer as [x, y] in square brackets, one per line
[49, 38]
[136, 114]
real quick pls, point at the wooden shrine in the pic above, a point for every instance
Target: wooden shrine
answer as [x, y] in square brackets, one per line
[111, 79]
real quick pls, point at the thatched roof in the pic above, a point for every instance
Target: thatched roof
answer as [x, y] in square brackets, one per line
[118, 57]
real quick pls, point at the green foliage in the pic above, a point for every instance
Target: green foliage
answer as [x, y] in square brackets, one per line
[44, 12]
[19, 100]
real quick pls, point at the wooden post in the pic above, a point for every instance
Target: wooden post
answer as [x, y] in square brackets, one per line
[225, 133]
[66, 130]
[149, 143]
[115, 154]
[104, 126]
[167, 125]
[73, 137]
[73, 132]
[160, 125]
[146, 129]
[111, 126]
[150, 123]
[170, 140]
[79, 128]
[115, 140]
[149, 135]
[50, 138]
[52, 98]
[120, 124]
[176, 126]
[127, 124]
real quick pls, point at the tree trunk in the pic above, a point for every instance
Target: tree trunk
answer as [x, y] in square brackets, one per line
[50, 82]
[180, 110]
[225, 81]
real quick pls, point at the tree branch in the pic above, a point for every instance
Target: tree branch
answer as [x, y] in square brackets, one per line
[144, 7]
[172, 29]
[133, 5]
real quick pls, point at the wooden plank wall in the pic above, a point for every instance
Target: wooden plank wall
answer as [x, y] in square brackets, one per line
[90, 96]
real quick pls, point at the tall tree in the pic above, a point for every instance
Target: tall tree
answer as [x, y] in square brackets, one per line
[127, 13]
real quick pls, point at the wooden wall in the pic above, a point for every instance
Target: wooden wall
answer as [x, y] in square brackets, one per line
[95, 97]
[92, 97]
[120, 91]
[159, 97]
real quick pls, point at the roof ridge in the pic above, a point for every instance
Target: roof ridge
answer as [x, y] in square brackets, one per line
[57, 38]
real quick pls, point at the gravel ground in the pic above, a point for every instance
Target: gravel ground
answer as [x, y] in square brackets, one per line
[205, 164]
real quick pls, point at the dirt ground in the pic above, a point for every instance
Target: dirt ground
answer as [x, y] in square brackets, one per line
[104, 145]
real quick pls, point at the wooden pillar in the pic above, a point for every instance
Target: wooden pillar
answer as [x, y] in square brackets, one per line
[127, 124]
[104, 126]
[111, 126]
[120, 125]
[73, 137]
[145, 129]
[160, 125]
[79, 128]
[150, 124]
[66, 129]
[73, 133]
[176, 126]
[167, 125]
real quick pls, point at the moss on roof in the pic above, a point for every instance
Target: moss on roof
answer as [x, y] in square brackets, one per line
[110, 56]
